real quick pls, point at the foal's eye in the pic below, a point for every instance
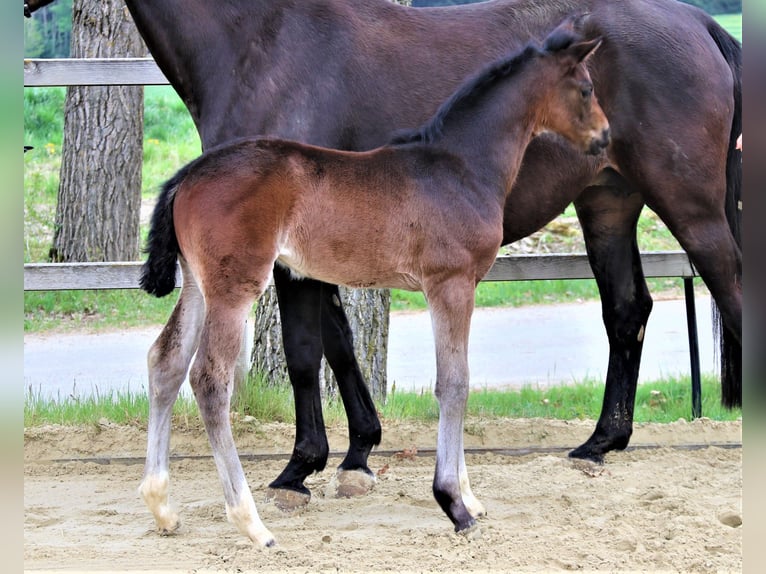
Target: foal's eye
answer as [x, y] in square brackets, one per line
[586, 91]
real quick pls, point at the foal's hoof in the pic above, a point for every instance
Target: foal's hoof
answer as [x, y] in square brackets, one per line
[350, 484]
[287, 500]
[473, 532]
[168, 529]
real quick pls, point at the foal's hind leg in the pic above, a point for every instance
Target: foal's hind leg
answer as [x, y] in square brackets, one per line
[168, 360]
[212, 379]
[608, 216]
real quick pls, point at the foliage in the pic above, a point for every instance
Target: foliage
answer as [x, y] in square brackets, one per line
[47, 34]
[93, 310]
[732, 23]
[659, 402]
[124, 407]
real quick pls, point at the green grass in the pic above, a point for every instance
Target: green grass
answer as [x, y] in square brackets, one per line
[732, 23]
[117, 407]
[94, 310]
[170, 138]
[659, 402]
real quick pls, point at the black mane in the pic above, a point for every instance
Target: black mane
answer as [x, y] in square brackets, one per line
[481, 82]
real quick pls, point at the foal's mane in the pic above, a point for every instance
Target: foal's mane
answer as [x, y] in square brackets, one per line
[469, 92]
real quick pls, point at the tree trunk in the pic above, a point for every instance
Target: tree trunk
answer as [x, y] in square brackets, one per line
[367, 311]
[99, 196]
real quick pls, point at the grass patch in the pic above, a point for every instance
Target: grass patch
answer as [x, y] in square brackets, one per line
[660, 401]
[120, 407]
[732, 23]
[520, 293]
[657, 402]
[170, 138]
[94, 310]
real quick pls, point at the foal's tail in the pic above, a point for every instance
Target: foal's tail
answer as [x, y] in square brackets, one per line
[730, 348]
[158, 273]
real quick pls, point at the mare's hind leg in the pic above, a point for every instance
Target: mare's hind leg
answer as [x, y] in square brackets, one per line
[703, 232]
[168, 361]
[212, 379]
[313, 321]
[608, 216]
[301, 335]
[354, 476]
[451, 306]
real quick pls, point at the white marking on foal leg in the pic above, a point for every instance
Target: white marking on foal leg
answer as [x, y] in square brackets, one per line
[474, 506]
[245, 517]
[154, 491]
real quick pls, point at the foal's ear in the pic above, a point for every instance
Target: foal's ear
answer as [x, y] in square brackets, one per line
[584, 50]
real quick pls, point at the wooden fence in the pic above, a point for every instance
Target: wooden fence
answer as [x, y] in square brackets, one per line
[124, 275]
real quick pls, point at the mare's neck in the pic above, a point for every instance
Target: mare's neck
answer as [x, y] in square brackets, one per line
[197, 44]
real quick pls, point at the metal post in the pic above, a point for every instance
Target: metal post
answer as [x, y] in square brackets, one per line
[694, 350]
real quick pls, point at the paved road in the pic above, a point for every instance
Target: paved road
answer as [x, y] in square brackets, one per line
[538, 345]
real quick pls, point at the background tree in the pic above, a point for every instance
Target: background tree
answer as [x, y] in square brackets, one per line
[48, 34]
[99, 196]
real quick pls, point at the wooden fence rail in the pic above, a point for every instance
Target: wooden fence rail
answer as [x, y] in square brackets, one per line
[124, 275]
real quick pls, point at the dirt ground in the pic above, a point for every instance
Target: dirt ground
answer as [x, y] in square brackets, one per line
[659, 506]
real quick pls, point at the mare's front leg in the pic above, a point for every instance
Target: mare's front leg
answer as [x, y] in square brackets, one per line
[451, 305]
[299, 310]
[168, 361]
[212, 380]
[608, 216]
[354, 476]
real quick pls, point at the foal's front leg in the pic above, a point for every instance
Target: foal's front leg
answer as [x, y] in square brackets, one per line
[212, 379]
[168, 361]
[451, 305]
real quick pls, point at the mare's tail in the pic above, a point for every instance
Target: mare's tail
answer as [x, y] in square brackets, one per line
[158, 273]
[730, 348]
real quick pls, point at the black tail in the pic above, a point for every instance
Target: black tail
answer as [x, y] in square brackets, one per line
[158, 274]
[730, 348]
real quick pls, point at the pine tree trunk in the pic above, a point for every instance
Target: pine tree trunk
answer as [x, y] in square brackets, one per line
[368, 313]
[99, 196]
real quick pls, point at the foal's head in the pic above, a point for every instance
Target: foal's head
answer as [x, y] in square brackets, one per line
[571, 108]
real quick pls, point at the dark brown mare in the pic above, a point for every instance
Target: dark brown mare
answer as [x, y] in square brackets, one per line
[345, 73]
[422, 213]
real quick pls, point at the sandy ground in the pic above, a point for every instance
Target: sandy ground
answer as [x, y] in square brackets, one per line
[660, 506]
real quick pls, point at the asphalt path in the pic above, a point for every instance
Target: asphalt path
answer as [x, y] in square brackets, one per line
[537, 345]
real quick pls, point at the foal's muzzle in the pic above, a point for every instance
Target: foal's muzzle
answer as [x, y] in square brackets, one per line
[598, 143]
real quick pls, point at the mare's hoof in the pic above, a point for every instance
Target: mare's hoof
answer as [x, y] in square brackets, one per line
[350, 484]
[287, 500]
[585, 452]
